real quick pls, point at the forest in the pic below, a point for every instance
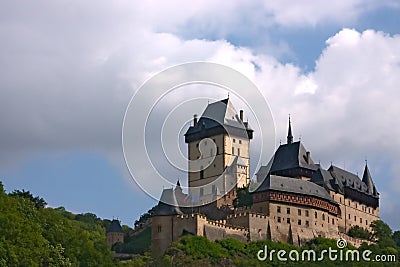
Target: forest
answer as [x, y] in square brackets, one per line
[32, 234]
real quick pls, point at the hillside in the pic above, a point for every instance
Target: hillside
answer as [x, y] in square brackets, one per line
[32, 235]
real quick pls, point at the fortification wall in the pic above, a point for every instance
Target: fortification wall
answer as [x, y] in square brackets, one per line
[215, 230]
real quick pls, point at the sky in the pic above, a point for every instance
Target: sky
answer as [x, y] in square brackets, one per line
[70, 68]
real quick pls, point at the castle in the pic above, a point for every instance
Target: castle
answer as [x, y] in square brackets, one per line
[294, 199]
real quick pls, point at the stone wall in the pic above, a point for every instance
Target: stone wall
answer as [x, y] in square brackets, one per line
[114, 237]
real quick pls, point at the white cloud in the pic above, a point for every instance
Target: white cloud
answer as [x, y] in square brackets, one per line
[69, 70]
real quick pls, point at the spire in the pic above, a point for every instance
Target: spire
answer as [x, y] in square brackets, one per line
[368, 180]
[178, 186]
[290, 136]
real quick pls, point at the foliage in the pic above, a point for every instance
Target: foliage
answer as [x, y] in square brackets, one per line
[137, 244]
[144, 217]
[396, 238]
[196, 250]
[359, 232]
[32, 235]
[37, 201]
[243, 198]
[382, 233]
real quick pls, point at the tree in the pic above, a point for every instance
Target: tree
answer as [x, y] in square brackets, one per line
[382, 233]
[357, 231]
[37, 201]
[243, 198]
[396, 238]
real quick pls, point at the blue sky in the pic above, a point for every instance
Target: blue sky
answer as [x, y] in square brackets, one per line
[69, 70]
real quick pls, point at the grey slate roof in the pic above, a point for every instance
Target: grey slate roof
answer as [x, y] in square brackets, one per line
[115, 227]
[350, 180]
[217, 114]
[293, 185]
[367, 180]
[168, 205]
[289, 156]
[324, 178]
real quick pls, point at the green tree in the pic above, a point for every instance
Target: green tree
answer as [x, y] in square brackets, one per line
[244, 198]
[359, 232]
[382, 233]
[396, 238]
[37, 201]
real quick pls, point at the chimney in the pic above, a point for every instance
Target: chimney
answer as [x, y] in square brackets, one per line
[241, 115]
[195, 120]
[308, 157]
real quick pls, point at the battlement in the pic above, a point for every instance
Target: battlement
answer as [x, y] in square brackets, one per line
[192, 216]
[248, 214]
[226, 226]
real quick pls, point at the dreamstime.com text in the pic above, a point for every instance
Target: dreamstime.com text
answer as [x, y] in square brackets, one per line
[331, 254]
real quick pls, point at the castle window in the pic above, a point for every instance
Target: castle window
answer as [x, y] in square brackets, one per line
[240, 141]
[201, 172]
[233, 151]
[360, 220]
[366, 222]
[299, 212]
[299, 222]
[278, 209]
[159, 228]
[288, 220]
[288, 210]
[307, 223]
[340, 200]
[315, 215]
[238, 151]
[323, 217]
[355, 218]
[279, 219]
[349, 216]
[333, 220]
[234, 140]
[307, 213]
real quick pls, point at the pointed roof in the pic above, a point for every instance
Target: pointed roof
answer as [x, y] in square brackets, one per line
[115, 227]
[367, 179]
[290, 135]
[350, 180]
[168, 205]
[220, 115]
[324, 178]
[290, 156]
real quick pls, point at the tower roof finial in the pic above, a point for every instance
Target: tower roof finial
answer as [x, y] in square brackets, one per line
[290, 135]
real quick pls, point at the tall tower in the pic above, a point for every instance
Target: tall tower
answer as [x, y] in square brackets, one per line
[219, 151]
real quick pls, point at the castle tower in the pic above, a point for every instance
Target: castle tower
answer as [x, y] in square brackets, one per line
[114, 233]
[219, 151]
